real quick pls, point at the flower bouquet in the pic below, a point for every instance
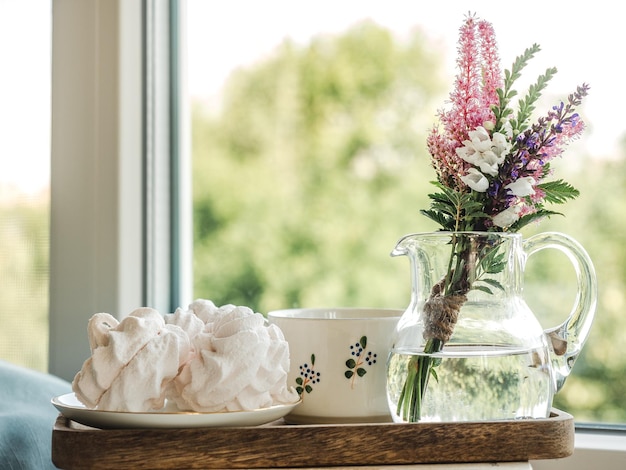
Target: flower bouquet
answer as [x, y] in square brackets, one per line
[493, 175]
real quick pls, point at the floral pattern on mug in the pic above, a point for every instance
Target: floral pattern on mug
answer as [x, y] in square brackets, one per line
[361, 358]
[308, 377]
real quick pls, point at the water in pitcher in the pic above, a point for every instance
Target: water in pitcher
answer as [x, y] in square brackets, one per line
[475, 383]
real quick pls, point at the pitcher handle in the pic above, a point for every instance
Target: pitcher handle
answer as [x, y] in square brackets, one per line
[567, 339]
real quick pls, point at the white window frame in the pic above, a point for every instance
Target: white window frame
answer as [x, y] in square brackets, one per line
[100, 146]
[118, 238]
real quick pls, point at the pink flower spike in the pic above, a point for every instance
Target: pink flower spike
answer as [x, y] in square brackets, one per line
[471, 100]
[492, 75]
[465, 114]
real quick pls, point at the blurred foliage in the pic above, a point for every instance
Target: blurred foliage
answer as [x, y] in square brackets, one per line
[24, 254]
[316, 164]
[297, 178]
[594, 392]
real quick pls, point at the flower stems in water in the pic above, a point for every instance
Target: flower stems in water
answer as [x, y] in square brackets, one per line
[420, 368]
[441, 312]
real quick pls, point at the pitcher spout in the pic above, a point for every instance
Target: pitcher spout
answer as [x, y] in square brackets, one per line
[404, 245]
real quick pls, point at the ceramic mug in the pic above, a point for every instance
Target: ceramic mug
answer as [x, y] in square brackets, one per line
[338, 362]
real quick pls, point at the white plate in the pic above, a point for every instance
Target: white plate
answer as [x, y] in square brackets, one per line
[72, 408]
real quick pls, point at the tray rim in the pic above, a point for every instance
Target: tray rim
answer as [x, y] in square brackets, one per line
[553, 438]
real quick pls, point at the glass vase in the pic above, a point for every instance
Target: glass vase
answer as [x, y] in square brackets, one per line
[468, 347]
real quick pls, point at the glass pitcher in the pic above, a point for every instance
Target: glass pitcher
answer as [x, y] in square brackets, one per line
[468, 347]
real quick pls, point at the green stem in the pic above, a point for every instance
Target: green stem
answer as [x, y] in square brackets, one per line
[456, 281]
[419, 370]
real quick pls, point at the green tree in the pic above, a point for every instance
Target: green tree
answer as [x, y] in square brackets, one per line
[307, 176]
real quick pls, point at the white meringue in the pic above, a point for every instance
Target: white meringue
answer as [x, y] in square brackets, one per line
[131, 361]
[241, 363]
[204, 358]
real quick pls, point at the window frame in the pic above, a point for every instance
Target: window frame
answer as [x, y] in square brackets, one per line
[108, 253]
[119, 239]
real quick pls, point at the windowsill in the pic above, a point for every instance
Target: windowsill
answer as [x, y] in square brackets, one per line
[609, 440]
[603, 449]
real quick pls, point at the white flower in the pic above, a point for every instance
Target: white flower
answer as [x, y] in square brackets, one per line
[475, 180]
[489, 163]
[522, 186]
[479, 140]
[507, 217]
[485, 152]
[501, 145]
[507, 129]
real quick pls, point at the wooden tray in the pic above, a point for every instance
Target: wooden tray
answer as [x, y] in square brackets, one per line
[281, 445]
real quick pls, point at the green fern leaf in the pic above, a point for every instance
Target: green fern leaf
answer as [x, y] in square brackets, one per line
[493, 283]
[482, 288]
[529, 218]
[558, 192]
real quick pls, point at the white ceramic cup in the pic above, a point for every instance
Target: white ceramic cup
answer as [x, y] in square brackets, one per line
[338, 362]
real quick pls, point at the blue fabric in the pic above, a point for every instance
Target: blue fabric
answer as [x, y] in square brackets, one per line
[27, 417]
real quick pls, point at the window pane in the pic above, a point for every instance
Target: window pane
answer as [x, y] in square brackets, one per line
[24, 181]
[309, 157]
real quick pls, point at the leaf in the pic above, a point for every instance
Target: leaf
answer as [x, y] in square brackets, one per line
[363, 341]
[558, 192]
[454, 210]
[299, 380]
[361, 372]
[312, 359]
[440, 219]
[490, 282]
[433, 372]
[493, 283]
[492, 261]
[349, 374]
[526, 105]
[308, 389]
[482, 288]
[350, 364]
[496, 267]
[507, 92]
[299, 390]
[445, 207]
[529, 218]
